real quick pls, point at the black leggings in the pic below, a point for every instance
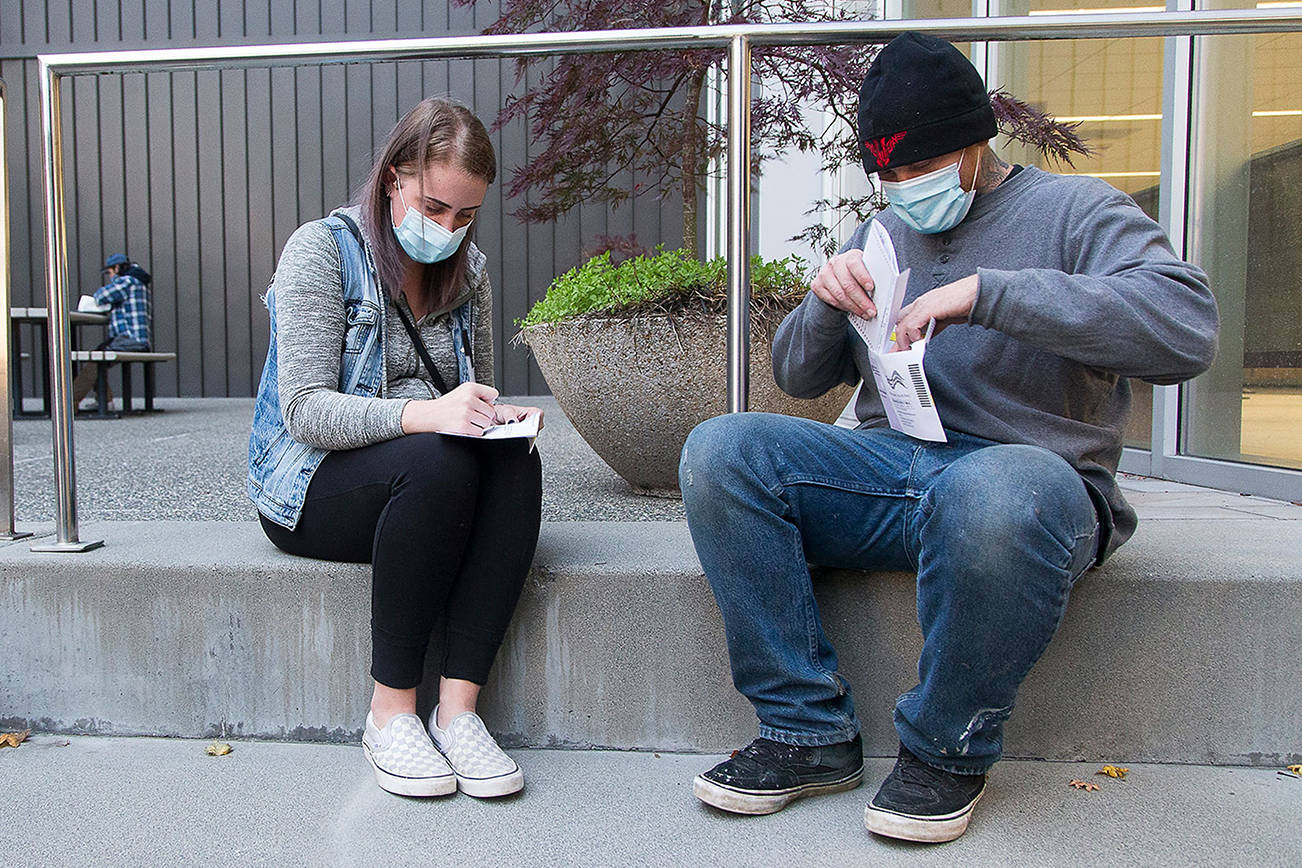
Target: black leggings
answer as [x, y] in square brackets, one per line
[449, 525]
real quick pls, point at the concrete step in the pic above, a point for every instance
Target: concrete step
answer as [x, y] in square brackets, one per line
[1184, 648]
[163, 802]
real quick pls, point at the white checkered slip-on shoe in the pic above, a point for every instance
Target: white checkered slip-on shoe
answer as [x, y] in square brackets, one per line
[405, 760]
[482, 768]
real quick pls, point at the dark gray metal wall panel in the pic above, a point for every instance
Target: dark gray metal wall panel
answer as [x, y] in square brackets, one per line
[20, 273]
[310, 131]
[107, 27]
[410, 87]
[333, 146]
[262, 253]
[110, 198]
[409, 15]
[83, 197]
[207, 21]
[305, 21]
[158, 21]
[230, 19]
[135, 164]
[60, 26]
[212, 233]
[357, 119]
[183, 20]
[132, 20]
[161, 258]
[384, 18]
[284, 159]
[210, 173]
[187, 226]
[513, 254]
[334, 17]
[384, 113]
[26, 111]
[237, 286]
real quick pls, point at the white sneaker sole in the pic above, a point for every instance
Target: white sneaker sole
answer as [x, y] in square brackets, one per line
[439, 785]
[767, 802]
[489, 788]
[925, 830]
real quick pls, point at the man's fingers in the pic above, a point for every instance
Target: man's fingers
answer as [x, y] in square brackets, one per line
[860, 273]
[819, 287]
[851, 285]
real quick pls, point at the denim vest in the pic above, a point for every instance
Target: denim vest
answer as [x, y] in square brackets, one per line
[280, 468]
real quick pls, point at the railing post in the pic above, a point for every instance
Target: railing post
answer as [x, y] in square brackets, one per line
[7, 531]
[56, 279]
[739, 158]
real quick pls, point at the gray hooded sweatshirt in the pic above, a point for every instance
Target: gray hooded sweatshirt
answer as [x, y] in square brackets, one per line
[1079, 290]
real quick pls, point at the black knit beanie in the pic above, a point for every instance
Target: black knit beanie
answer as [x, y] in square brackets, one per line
[921, 98]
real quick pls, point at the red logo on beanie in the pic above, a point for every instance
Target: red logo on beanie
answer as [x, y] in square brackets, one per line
[881, 149]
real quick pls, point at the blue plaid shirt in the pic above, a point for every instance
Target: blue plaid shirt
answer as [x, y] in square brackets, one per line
[132, 308]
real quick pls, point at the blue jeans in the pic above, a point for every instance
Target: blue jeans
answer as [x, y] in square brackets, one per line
[996, 533]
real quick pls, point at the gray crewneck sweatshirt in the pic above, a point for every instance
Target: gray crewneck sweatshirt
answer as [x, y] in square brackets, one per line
[1079, 289]
[310, 327]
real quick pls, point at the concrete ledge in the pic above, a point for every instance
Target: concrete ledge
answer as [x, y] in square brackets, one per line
[1183, 649]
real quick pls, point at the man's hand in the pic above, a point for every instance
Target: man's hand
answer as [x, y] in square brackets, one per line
[947, 305]
[844, 283]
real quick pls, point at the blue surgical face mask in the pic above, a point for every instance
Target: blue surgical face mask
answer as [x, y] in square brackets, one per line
[423, 239]
[931, 203]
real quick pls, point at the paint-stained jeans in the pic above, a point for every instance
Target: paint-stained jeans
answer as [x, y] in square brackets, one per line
[996, 533]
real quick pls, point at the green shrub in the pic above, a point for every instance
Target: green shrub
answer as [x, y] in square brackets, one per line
[667, 282]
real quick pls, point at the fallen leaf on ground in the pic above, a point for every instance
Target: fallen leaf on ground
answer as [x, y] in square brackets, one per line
[13, 739]
[219, 748]
[1118, 772]
[1083, 785]
[1297, 770]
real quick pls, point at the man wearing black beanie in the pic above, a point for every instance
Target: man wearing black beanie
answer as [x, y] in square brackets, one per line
[1047, 293]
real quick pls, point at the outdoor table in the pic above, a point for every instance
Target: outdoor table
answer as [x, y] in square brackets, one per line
[39, 319]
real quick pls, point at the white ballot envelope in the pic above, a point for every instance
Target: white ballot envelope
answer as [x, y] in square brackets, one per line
[526, 427]
[900, 379]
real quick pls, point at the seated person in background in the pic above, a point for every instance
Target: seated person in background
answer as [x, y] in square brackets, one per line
[1051, 291]
[127, 297]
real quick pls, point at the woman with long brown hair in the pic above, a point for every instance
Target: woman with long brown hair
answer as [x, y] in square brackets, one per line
[382, 347]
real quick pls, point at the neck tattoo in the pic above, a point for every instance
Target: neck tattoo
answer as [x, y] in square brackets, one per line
[991, 172]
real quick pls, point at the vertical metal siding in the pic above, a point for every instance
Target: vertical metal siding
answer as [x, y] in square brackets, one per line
[202, 176]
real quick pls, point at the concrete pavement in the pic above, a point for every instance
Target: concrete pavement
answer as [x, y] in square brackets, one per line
[141, 801]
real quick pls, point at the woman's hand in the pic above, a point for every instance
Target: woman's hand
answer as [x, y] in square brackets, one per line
[512, 413]
[467, 409]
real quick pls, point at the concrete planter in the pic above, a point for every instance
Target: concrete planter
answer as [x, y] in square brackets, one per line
[635, 388]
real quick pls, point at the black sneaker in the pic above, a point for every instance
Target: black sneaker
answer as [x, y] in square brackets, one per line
[918, 802]
[765, 776]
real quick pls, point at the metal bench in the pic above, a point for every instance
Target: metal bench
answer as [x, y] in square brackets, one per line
[107, 358]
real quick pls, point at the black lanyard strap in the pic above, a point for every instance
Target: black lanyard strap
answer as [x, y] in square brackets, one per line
[439, 382]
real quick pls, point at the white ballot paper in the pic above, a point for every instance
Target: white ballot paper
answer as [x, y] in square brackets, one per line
[526, 427]
[899, 377]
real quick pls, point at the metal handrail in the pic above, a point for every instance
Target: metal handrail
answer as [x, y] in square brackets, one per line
[738, 39]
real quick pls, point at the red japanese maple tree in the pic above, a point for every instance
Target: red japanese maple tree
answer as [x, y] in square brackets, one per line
[597, 117]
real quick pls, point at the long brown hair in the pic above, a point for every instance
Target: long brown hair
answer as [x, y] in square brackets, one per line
[436, 130]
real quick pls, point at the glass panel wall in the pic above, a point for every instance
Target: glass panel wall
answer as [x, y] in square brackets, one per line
[1246, 229]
